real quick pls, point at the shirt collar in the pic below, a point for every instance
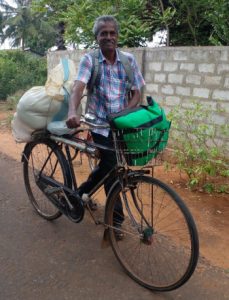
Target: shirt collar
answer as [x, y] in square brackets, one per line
[102, 57]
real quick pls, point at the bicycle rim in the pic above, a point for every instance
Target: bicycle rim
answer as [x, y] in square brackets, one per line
[44, 157]
[160, 246]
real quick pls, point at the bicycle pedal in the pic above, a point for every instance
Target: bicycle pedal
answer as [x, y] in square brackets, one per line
[89, 203]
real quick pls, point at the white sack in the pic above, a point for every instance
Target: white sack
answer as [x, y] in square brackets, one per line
[56, 80]
[60, 128]
[36, 109]
[21, 132]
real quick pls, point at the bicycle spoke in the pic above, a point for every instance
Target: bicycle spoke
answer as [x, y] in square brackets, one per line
[44, 159]
[158, 250]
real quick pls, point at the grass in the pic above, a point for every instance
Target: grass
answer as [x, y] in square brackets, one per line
[12, 101]
[6, 115]
[8, 107]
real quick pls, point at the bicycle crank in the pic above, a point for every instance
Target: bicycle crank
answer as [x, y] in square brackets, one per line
[71, 205]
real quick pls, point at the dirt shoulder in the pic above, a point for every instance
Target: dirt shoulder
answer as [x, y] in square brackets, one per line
[211, 212]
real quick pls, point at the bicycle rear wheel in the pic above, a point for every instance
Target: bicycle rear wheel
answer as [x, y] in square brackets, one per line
[160, 246]
[44, 157]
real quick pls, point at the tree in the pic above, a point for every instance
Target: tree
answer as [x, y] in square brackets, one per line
[1, 25]
[190, 26]
[52, 9]
[219, 18]
[187, 22]
[20, 71]
[80, 16]
[24, 27]
[160, 16]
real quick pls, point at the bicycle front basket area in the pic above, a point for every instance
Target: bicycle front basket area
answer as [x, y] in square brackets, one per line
[142, 132]
[140, 145]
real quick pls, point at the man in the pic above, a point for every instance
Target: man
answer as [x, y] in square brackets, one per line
[108, 96]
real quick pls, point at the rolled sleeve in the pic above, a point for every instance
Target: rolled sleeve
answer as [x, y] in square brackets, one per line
[85, 69]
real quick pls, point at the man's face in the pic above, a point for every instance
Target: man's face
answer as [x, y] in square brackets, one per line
[107, 37]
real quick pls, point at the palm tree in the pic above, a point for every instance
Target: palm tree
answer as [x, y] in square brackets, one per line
[23, 26]
[1, 25]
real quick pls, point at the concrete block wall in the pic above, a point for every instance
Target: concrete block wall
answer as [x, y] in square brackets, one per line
[178, 75]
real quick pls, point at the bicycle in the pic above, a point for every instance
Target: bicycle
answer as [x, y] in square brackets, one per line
[160, 246]
[93, 160]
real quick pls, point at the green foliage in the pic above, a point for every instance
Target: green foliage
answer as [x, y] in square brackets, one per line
[190, 25]
[223, 188]
[196, 149]
[44, 37]
[25, 27]
[12, 100]
[1, 25]
[189, 22]
[80, 16]
[219, 18]
[7, 72]
[199, 22]
[20, 71]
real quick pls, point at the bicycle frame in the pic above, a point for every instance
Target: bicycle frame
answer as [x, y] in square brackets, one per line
[89, 148]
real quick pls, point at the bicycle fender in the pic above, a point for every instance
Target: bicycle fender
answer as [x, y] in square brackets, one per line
[25, 152]
[28, 147]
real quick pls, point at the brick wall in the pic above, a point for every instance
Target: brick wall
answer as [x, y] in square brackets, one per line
[178, 75]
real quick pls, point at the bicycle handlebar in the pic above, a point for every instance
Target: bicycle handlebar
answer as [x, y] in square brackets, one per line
[60, 127]
[89, 120]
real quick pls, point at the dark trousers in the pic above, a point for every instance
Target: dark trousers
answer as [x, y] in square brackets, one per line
[106, 163]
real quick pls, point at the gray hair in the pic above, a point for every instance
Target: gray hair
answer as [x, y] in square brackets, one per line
[99, 22]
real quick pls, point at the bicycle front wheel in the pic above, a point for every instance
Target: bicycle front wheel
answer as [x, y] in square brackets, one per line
[159, 242]
[44, 158]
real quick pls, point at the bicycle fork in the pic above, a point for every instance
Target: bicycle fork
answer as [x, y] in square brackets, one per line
[144, 229]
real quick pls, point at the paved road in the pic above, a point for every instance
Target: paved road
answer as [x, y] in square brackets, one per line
[60, 260]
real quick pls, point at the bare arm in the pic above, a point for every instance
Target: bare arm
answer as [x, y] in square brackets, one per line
[135, 98]
[73, 120]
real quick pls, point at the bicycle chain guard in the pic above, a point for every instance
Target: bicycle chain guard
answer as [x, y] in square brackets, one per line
[75, 212]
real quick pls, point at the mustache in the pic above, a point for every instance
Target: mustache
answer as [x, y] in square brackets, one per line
[108, 40]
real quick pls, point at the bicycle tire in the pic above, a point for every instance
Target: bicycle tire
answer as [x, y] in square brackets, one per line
[34, 159]
[160, 247]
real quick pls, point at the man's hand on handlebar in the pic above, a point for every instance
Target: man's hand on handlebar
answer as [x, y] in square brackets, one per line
[73, 121]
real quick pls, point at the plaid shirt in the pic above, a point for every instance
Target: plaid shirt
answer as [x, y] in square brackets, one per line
[110, 95]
